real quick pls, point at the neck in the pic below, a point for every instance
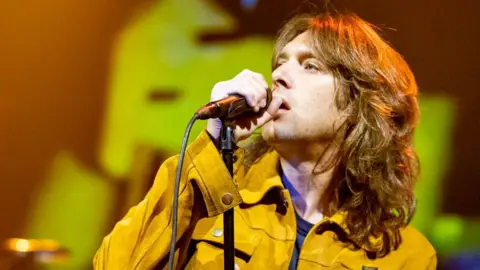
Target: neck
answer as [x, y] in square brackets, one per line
[300, 165]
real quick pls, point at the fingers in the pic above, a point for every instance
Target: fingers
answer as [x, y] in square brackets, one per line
[251, 85]
[260, 95]
[271, 111]
[260, 79]
[253, 88]
[275, 105]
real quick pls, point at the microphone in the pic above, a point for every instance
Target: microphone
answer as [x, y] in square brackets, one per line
[230, 107]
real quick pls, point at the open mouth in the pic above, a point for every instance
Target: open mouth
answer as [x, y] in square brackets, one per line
[284, 106]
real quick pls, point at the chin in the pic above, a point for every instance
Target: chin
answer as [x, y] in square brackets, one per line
[273, 133]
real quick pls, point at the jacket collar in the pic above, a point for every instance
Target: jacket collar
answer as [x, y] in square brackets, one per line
[338, 219]
[263, 177]
[260, 178]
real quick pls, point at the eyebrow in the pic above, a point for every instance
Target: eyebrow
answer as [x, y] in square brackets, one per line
[302, 55]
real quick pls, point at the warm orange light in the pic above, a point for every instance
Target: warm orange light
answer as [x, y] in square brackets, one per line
[44, 250]
[22, 245]
[28, 245]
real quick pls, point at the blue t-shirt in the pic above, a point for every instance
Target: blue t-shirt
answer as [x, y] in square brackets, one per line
[303, 226]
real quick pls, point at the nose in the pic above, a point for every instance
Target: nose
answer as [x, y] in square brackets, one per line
[281, 77]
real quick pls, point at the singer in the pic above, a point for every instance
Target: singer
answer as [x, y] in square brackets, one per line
[327, 183]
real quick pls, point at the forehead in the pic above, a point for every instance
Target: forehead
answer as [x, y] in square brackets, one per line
[300, 43]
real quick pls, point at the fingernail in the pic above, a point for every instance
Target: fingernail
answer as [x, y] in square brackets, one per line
[263, 103]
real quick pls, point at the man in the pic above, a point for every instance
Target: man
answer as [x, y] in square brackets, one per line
[327, 184]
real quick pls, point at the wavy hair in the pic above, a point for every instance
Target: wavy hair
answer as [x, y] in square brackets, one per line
[376, 162]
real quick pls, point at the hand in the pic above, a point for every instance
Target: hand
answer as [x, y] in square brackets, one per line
[253, 87]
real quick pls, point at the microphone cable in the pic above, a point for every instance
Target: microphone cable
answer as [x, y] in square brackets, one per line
[228, 107]
[176, 191]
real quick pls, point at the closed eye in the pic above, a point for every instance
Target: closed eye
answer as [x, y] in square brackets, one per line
[278, 64]
[311, 67]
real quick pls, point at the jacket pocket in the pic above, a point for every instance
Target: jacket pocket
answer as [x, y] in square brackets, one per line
[206, 248]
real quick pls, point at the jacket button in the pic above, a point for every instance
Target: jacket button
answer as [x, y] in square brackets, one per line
[227, 199]
[217, 232]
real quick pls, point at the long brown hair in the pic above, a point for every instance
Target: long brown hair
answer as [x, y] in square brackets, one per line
[376, 163]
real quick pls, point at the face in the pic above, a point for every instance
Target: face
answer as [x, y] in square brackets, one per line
[309, 112]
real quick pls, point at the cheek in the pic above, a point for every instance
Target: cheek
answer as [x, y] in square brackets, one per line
[318, 109]
[318, 103]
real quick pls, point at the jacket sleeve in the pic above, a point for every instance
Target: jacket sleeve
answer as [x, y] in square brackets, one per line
[422, 262]
[432, 262]
[141, 240]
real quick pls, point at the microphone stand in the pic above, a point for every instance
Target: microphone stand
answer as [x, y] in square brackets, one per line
[225, 109]
[227, 148]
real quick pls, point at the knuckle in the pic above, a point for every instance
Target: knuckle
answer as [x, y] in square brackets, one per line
[260, 95]
[220, 89]
[218, 86]
[251, 99]
[258, 75]
[243, 73]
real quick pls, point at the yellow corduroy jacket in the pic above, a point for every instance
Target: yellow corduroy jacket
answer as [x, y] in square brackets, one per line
[265, 224]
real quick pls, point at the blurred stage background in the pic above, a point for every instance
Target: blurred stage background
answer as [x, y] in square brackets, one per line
[95, 94]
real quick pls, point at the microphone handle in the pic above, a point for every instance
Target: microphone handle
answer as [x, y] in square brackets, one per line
[239, 107]
[230, 108]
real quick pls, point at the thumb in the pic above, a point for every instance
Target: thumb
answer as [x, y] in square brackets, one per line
[271, 111]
